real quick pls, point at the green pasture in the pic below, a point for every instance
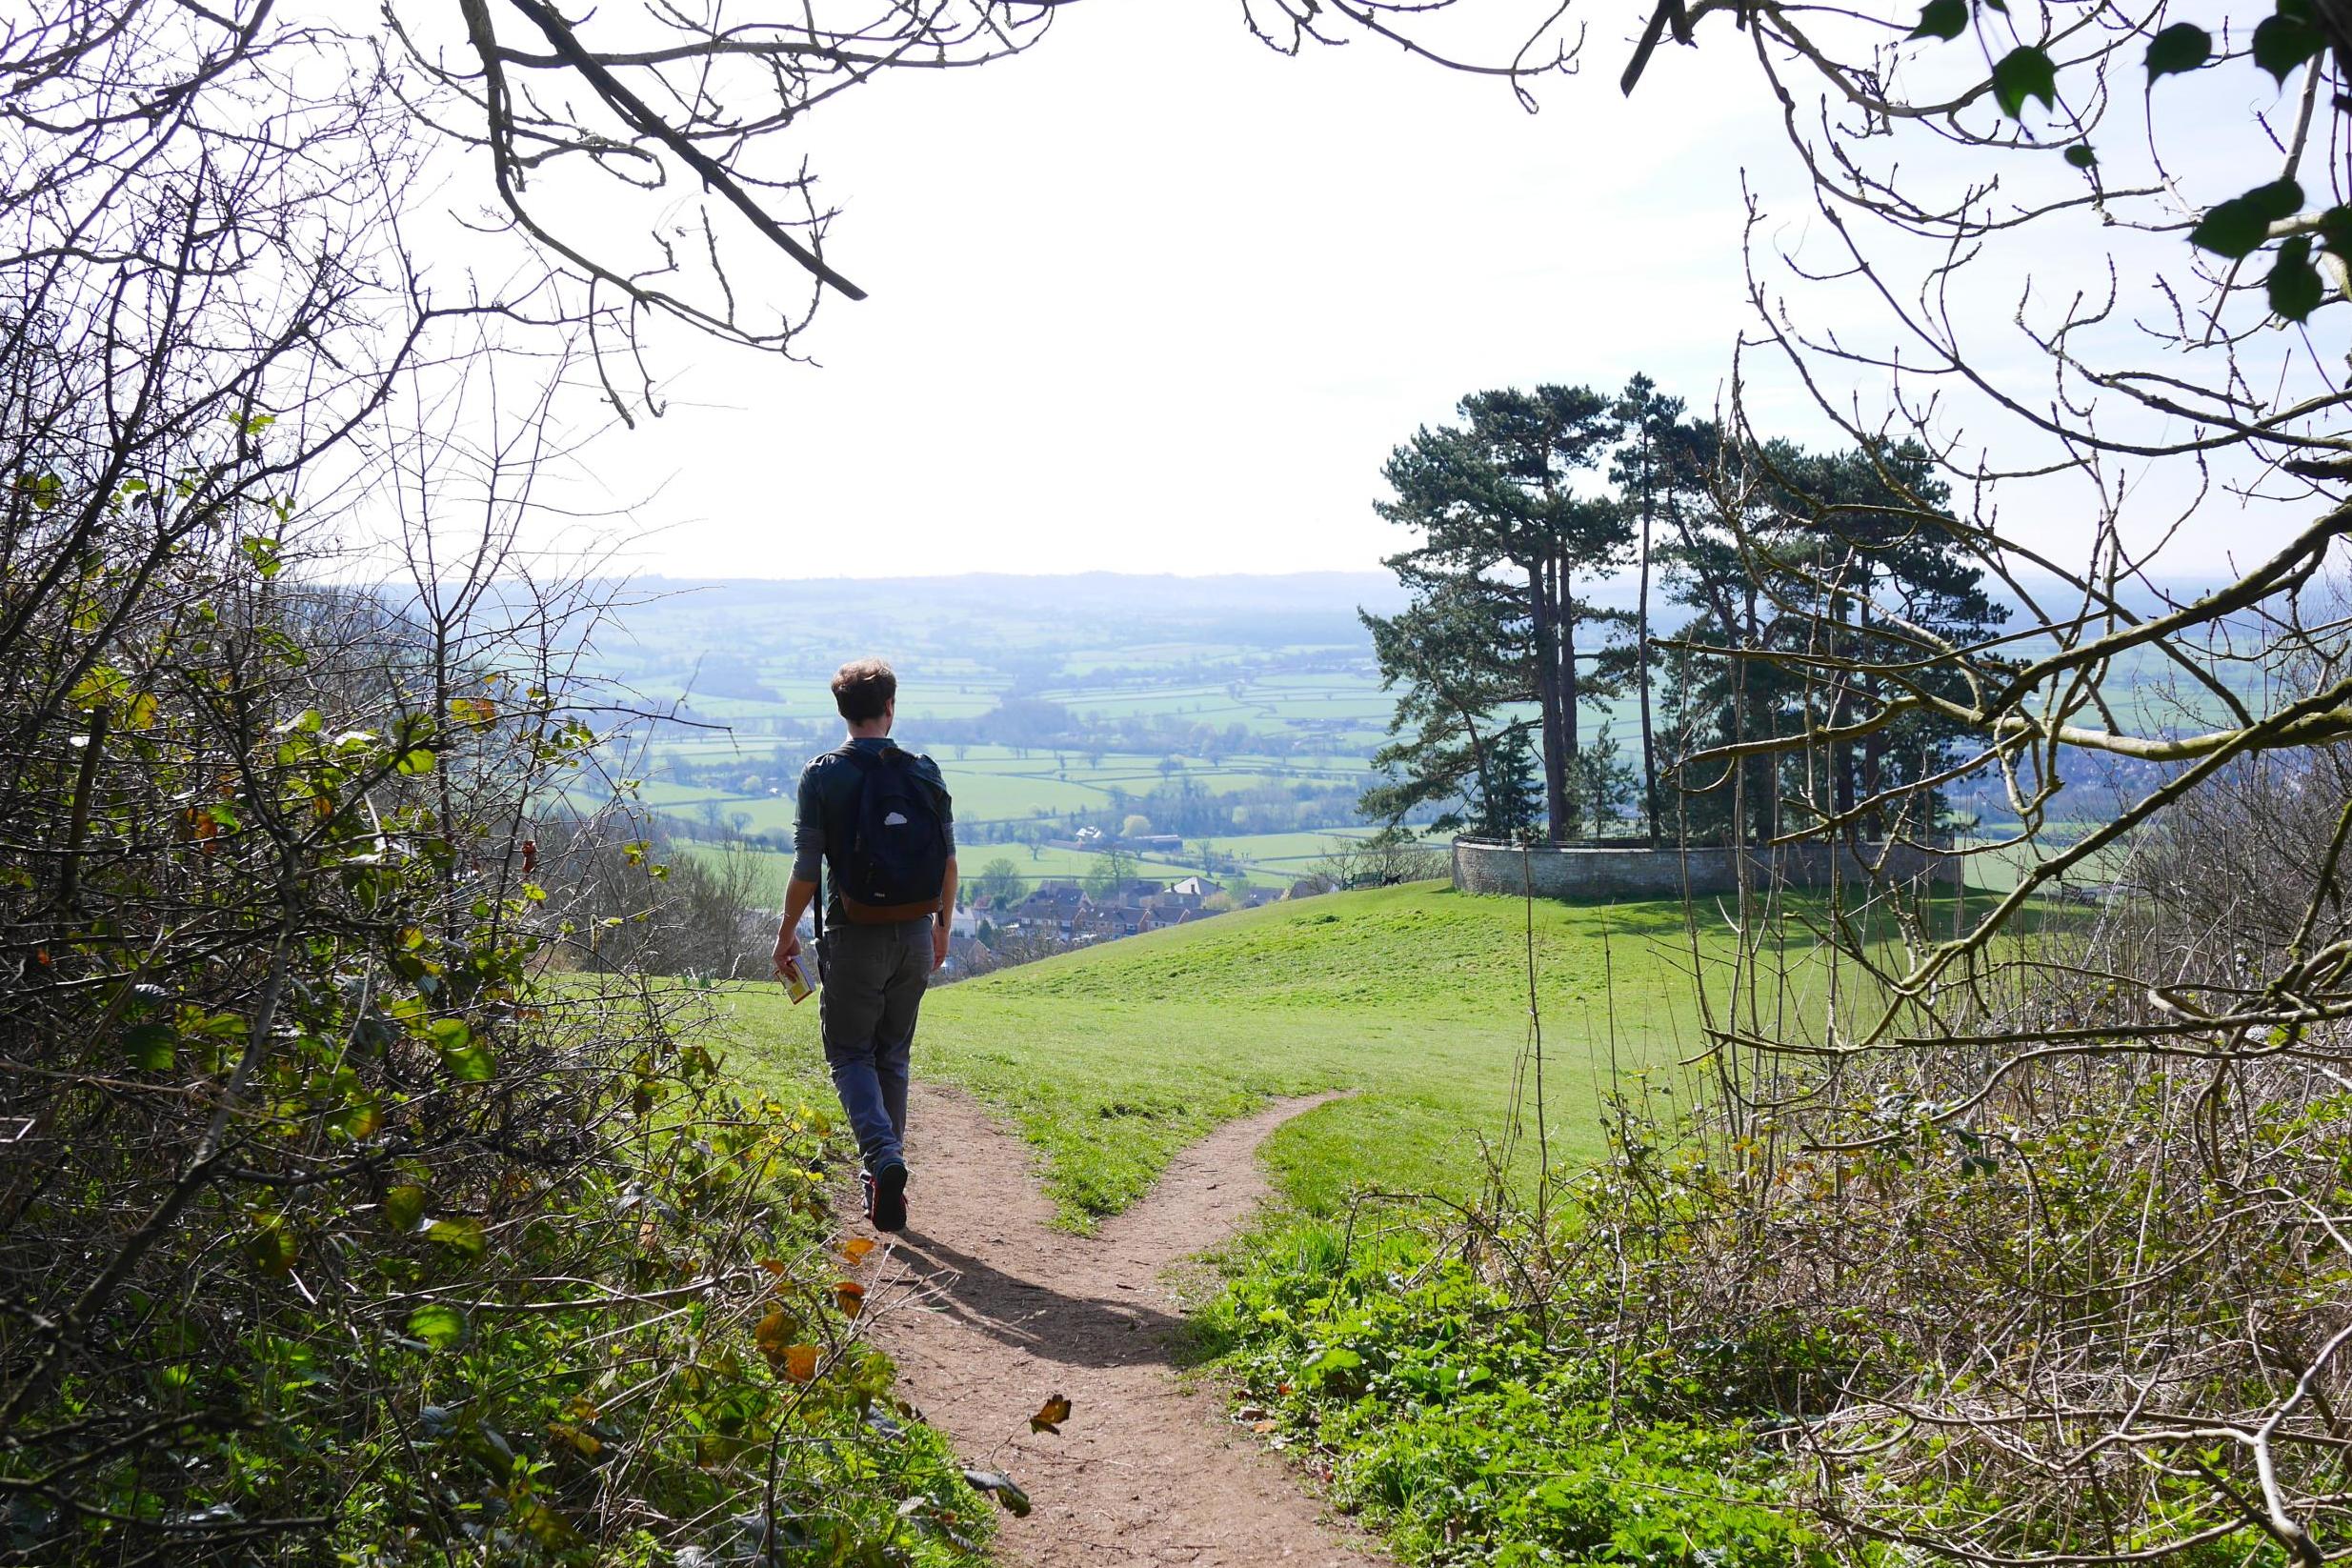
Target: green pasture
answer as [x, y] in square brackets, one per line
[1415, 999]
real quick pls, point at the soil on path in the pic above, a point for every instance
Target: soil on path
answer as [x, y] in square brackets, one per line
[989, 1311]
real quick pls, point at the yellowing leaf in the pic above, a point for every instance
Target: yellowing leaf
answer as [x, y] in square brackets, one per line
[270, 1248]
[801, 1363]
[583, 1443]
[774, 1335]
[1050, 1418]
[856, 1248]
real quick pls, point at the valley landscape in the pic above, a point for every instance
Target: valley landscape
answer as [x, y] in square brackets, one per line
[1651, 852]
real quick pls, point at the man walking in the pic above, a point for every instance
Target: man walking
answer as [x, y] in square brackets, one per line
[880, 818]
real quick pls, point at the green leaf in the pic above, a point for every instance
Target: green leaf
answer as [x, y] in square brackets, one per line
[270, 1248]
[2183, 46]
[263, 552]
[2081, 156]
[151, 1046]
[459, 1232]
[2024, 72]
[467, 1059]
[414, 761]
[2240, 226]
[443, 1328]
[2283, 45]
[1945, 19]
[2294, 284]
[404, 1205]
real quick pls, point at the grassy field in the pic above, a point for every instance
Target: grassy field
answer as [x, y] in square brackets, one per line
[1414, 998]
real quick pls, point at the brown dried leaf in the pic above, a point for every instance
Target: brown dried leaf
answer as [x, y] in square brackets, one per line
[774, 1335]
[1050, 1418]
[849, 1295]
[801, 1363]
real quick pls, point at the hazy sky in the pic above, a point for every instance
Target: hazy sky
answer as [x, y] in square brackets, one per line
[1152, 298]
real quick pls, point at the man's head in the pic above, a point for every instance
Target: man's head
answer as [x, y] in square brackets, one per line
[866, 690]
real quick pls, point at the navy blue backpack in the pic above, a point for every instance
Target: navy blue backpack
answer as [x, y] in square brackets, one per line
[894, 865]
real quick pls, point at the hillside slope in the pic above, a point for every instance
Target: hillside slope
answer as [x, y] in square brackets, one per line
[1113, 1058]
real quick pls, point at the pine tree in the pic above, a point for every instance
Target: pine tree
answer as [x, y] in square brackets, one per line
[1495, 504]
[1848, 567]
[1507, 802]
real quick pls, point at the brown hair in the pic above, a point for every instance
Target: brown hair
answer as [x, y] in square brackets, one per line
[862, 688]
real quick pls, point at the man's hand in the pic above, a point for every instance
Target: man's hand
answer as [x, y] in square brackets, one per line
[939, 944]
[798, 894]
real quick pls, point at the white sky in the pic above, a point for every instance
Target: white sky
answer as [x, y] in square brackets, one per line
[1154, 298]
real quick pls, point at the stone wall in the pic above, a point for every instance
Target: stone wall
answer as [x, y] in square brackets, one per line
[1480, 866]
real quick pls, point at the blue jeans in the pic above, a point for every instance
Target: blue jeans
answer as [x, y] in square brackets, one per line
[874, 977]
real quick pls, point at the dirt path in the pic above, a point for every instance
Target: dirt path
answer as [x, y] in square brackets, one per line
[989, 1311]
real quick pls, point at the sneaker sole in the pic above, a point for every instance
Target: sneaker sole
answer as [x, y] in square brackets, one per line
[890, 1199]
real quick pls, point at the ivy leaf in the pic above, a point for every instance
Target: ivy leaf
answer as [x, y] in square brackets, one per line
[2024, 72]
[2239, 227]
[1945, 19]
[2283, 44]
[2294, 284]
[2081, 156]
[2183, 46]
[443, 1328]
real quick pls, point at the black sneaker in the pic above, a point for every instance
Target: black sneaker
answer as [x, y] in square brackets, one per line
[886, 1198]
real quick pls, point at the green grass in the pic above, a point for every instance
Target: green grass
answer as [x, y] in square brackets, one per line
[1113, 1058]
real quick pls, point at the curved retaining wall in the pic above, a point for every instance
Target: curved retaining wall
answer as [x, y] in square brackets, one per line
[1481, 866]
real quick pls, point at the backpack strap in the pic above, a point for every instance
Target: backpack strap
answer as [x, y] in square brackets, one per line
[863, 760]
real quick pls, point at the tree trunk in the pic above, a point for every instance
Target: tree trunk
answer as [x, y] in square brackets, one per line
[1642, 668]
[1547, 697]
[1568, 681]
[1841, 751]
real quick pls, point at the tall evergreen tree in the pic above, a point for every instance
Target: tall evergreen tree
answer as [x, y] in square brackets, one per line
[1448, 655]
[1507, 801]
[1495, 504]
[1660, 474]
[1844, 568]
